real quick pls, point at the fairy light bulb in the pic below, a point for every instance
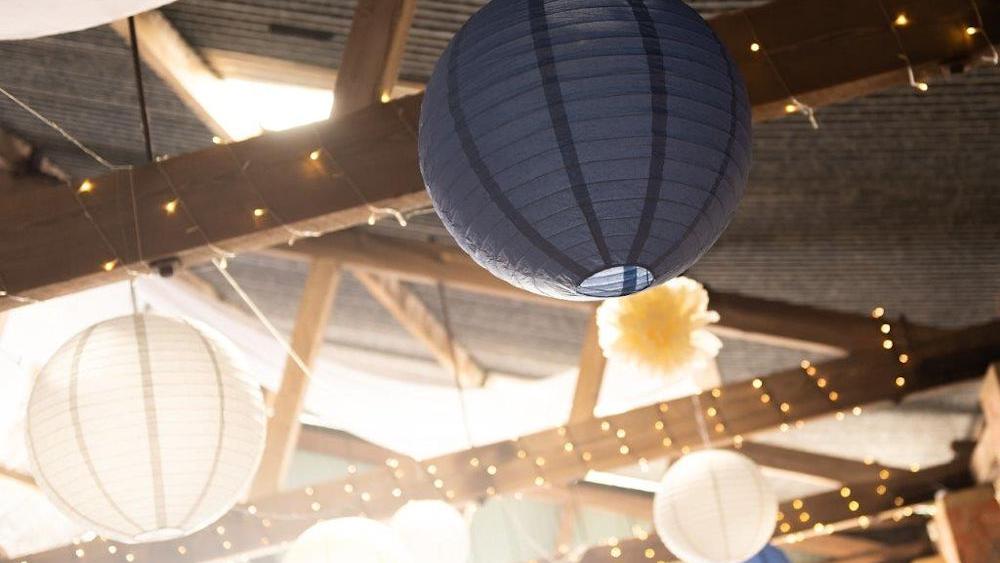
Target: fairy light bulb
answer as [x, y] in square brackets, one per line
[901, 20]
[259, 212]
[790, 108]
[386, 97]
[170, 207]
[922, 86]
[314, 155]
[109, 265]
[754, 47]
[970, 31]
[86, 187]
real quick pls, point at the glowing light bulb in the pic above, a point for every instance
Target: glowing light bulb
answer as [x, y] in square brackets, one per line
[754, 47]
[386, 97]
[259, 212]
[109, 265]
[901, 20]
[170, 207]
[970, 31]
[314, 155]
[922, 86]
[790, 108]
[86, 187]
[900, 381]
[878, 312]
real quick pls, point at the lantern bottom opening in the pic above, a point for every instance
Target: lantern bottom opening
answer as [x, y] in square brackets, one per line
[616, 281]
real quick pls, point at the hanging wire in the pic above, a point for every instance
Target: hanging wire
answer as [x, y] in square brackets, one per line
[140, 91]
[920, 86]
[89, 152]
[802, 108]
[446, 321]
[995, 59]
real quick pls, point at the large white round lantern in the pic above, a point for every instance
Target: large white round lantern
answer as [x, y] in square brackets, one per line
[348, 540]
[582, 149]
[144, 428]
[433, 531]
[714, 506]
[28, 19]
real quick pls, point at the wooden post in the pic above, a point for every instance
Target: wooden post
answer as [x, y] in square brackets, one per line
[588, 382]
[968, 525]
[307, 338]
[374, 49]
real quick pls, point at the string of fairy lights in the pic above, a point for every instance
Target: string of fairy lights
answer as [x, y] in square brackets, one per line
[323, 158]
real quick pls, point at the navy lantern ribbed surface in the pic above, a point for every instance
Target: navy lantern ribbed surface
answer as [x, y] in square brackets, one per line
[585, 149]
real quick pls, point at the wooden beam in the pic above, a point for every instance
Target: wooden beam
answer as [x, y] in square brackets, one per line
[742, 316]
[986, 457]
[307, 339]
[256, 68]
[968, 525]
[370, 64]
[836, 469]
[182, 69]
[20, 160]
[825, 53]
[367, 155]
[421, 323]
[542, 458]
[567, 527]
[590, 374]
[17, 476]
[345, 445]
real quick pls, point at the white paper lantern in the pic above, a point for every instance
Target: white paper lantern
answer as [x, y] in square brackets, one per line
[714, 506]
[143, 428]
[28, 19]
[433, 531]
[348, 540]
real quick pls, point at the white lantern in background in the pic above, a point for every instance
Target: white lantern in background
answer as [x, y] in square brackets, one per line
[348, 540]
[143, 428]
[714, 506]
[433, 531]
[28, 19]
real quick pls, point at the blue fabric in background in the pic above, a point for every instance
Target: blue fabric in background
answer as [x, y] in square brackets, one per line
[582, 149]
[769, 554]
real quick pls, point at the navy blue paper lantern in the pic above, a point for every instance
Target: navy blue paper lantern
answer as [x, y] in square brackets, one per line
[582, 149]
[769, 554]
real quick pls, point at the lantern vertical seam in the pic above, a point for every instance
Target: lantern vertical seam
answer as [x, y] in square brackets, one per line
[560, 123]
[152, 429]
[483, 174]
[74, 409]
[222, 431]
[722, 513]
[723, 166]
[658, 99]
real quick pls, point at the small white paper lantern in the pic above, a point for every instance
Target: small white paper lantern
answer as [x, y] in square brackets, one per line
[143, 428]
[28, 19]
[714, 506]
[433, 531]
[348, 540]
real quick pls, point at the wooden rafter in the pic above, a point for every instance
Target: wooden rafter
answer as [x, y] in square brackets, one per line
[420, 322]
[307, 337]
[823, 52]
[370, 152]
[543, 457]
[835, 469]
[182, 69]
[741, 316]
[344, 445]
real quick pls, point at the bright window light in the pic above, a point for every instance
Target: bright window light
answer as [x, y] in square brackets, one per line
[246, 108]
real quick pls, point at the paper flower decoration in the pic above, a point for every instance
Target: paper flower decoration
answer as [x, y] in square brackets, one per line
[662, 330]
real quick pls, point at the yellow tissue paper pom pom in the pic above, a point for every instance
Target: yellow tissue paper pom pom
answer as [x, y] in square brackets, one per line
[662, 330]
